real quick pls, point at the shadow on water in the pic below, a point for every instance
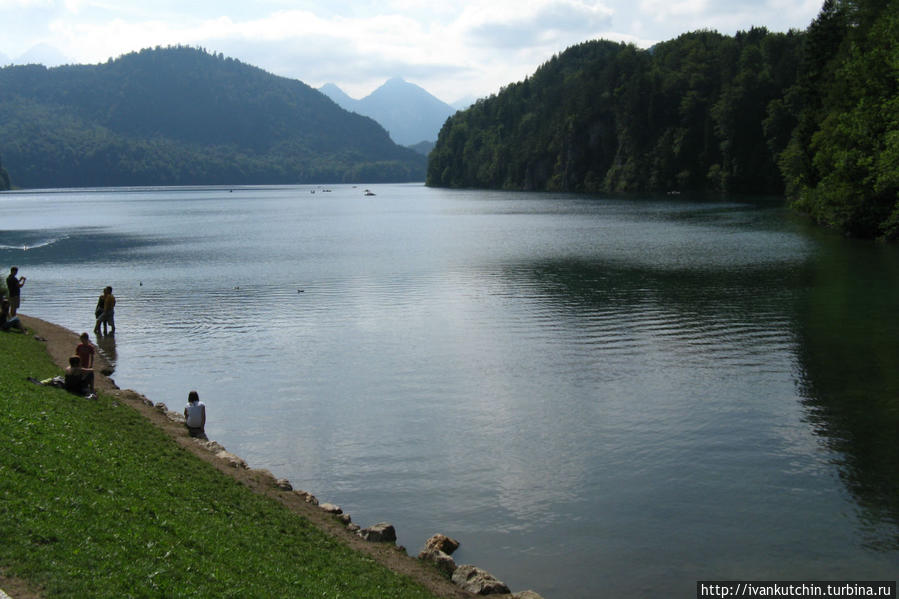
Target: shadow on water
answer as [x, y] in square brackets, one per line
[836, 312]
[69, 246]
[849, 359]
[692, 298]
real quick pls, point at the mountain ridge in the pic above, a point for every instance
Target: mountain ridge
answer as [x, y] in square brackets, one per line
[408, 112]
[181, 115]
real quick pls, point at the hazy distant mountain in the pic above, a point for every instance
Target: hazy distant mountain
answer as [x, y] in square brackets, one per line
[423, 147]
[4, 60]
[182, 116]
[408, 112]
[340, 97]
[464, 103]
[44, 54]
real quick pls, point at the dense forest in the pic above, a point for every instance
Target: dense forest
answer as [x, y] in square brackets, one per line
[182, 116]
[812, 114]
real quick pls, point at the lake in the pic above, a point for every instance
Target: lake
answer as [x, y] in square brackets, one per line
[598, 396]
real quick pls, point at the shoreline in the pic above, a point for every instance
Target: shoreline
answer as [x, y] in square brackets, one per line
[60, 343]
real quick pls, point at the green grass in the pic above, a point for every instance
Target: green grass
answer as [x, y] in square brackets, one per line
[96, 502]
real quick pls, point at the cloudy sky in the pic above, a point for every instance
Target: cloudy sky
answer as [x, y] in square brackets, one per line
[454, 49]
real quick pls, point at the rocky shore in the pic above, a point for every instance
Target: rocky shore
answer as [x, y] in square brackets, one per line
[433, 567]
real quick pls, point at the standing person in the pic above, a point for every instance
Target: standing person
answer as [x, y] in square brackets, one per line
[195, 415]
[85, 351]
[14, 289]
[107, 318]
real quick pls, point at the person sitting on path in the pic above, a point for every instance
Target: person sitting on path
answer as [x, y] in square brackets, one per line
[8, 322]
[195, 415]
[85, 351]
[79, 380]
[107, 318]
[14, 289]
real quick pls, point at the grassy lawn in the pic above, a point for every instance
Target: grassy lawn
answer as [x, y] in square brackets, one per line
[96, 502]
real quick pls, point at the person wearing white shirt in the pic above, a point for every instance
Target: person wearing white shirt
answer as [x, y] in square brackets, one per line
[195, 415]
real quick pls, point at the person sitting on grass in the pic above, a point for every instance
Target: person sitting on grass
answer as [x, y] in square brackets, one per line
[195, 415]
[8, 322]
[79, 380]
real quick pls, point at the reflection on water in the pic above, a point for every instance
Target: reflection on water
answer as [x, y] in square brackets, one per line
[850, 380]
[597, 396]
[106, 345]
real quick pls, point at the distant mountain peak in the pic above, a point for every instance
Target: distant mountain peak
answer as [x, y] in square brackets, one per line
[338, 96]
[408, 111]
[396, 82]
[44, 54]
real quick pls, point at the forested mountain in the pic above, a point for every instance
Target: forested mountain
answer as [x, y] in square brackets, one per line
[183, 116]
[604, 116]
[409, 113]
[812, 113]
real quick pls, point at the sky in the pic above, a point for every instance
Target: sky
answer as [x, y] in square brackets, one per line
[454, 49]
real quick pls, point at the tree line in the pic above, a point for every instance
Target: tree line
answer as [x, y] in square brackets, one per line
[811, 114]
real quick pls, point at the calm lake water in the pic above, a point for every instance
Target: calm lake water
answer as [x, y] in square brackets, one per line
[599, 397]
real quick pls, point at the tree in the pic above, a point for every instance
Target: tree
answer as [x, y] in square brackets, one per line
[842, 165]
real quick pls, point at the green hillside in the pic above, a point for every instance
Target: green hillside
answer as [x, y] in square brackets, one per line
[183, 116]
[97, 502]
[813, 114]
[603, 116]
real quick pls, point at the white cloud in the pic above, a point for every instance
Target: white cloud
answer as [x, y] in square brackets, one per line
[671, 18]
[661, 10]
[19, 4]
[518, 25]
[452, 49]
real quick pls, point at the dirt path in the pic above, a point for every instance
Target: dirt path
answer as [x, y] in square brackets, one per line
[61, 344]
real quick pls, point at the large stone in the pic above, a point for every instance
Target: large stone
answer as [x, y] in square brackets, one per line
[307, 497]
[213, 446]
[233, 460]
[382, 532]
[441, 542]
[441, 560]
[478, 581]
[527, 595]
[330, 508]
